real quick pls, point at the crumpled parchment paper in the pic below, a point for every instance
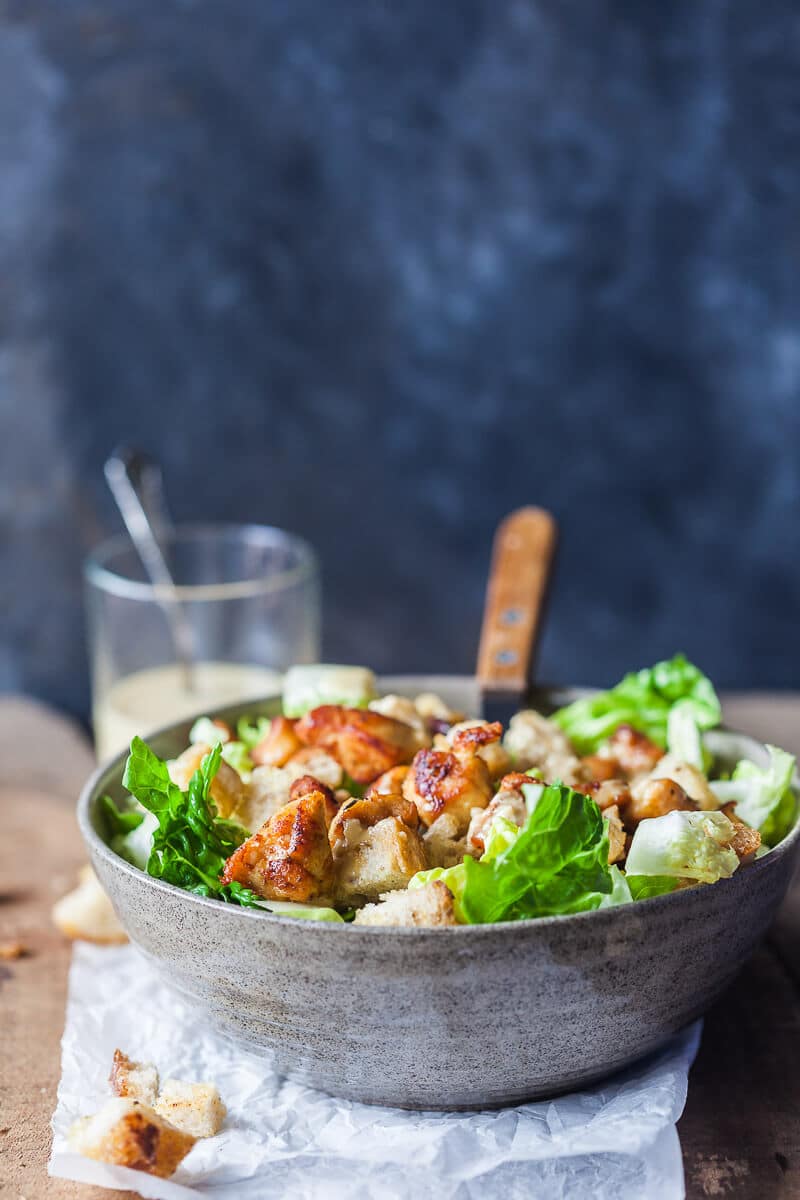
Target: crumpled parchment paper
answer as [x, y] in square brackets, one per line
[282, 1139]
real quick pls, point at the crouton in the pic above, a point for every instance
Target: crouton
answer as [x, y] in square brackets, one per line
[227, 789]
[376, 859]
[194, 1108]
[128, 1133]
[268, 791]
[444, 844]
[746, 840]
[138, 1081]
[318, 763]
[87, 913]
[429, 905]
[617, 841]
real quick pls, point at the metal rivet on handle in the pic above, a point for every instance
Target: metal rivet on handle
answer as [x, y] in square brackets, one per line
[506, 658]
[511, 616]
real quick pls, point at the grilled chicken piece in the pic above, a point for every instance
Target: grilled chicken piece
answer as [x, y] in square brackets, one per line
[508, 802]
[617, 841]
[746, 840]
[634, 751]
[472, 736]
[607, 792]
[227, 789]
[693, 781]
[290, 856]
[365, 743]
[403, 709]
[596, 768]
[455, 781]
[279, 744]
[656, 798]
[534, 741]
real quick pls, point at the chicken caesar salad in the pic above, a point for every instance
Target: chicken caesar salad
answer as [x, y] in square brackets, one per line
[391, 811]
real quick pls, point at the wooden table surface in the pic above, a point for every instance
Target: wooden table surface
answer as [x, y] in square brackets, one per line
[741, 1129]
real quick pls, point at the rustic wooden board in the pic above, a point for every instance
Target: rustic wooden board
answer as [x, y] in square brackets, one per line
[741, 1129]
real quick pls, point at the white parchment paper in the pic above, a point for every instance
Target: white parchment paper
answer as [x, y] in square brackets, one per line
[282, 1139]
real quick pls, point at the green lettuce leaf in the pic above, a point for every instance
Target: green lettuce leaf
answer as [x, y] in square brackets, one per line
[642, 887]
[557, 863]
[305, 912]
[763, 795]
[684, 845]
[684, 737]
[190, 843]
[642, 699]
[119, 821]
[250, 733]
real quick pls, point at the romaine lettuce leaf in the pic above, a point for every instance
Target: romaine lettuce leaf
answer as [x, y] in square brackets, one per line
[190, 842]
[642, 887]
[684, 738]
[309, 685]
[557, 863]
[684, 845]
[763, 795]
[642, 699]
[305, 912]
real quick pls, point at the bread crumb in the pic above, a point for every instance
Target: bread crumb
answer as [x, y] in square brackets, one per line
[127, 1133]
[12, 950]
[194, 1108]
[87, 913]
[137, 1080]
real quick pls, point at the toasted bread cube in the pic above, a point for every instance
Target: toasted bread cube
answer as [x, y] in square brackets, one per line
[137, 1080]
[87, 913]
[130, 1134]
[429, 905]
[377, 859]
[194, 1108]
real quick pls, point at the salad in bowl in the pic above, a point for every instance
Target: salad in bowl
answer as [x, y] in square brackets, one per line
[388, 810]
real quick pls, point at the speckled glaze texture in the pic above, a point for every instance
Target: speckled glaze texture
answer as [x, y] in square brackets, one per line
[445, 1018]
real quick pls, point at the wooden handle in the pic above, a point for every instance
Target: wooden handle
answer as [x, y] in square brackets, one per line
[522, 555]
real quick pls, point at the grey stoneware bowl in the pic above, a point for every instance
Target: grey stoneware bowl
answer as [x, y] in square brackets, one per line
[453, 1018]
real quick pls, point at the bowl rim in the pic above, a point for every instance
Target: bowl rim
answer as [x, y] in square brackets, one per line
[683, 896]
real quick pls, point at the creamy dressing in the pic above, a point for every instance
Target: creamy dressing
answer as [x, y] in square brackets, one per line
[146, 700]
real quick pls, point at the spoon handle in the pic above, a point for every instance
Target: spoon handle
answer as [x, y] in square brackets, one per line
[522, 556]
[136, 484]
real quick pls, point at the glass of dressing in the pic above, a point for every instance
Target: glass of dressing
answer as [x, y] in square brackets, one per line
[249, 599]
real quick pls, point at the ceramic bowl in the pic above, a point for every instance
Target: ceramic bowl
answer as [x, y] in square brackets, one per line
[449, 1018]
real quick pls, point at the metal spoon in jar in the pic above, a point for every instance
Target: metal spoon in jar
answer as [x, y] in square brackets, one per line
[137, 485]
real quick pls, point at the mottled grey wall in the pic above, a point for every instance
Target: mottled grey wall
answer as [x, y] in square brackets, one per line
[379, 272]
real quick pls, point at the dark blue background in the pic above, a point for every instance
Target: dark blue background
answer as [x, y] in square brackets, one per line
[379, 272]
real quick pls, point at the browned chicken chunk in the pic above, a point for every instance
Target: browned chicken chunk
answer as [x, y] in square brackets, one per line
[508, 802]
[365, 743]
[634, 751]
[453, 782]
[656, 798]
[290, 856]
[279, 744]
[607, 792]
[595, 768]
